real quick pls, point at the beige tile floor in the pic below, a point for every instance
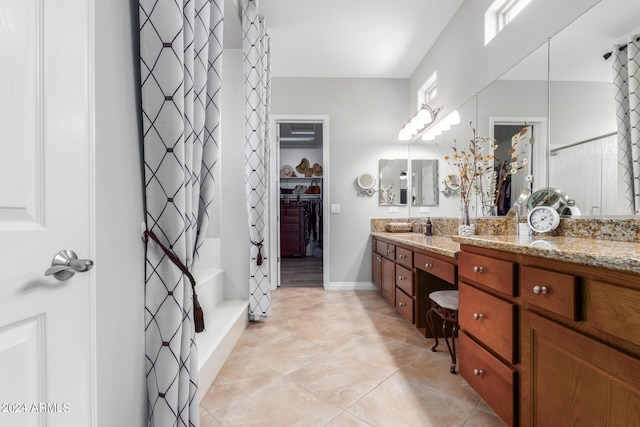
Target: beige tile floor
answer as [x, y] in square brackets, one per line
[338, 358]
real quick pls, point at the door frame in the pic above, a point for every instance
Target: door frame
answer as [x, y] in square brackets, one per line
[539, 151]
[274, 193]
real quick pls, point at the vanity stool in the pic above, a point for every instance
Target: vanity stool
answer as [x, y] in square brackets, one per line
[445, 305]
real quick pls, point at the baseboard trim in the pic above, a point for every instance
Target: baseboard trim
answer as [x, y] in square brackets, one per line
[351, 286]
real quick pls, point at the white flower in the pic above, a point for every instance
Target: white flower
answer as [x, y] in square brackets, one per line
[529, 178]
[513, 171]
[525, 161]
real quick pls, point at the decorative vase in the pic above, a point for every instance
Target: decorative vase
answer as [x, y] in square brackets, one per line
[467, 226]
[489, 210]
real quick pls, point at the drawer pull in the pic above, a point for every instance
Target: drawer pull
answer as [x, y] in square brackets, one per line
[400, 278]
[401, 304]
[388, 251]
[478, 372]
[428, 265]
[400, 256]
[478, 316]
[478, 269]
[540, 290]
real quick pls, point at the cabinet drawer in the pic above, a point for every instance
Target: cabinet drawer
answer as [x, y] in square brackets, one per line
[494, 381]
[386, 249]
[489, 319]
[404, 304]
[434, 266]
[404, 257]
[613, 309]
[556, 292]
[493, 273]
[404, 279]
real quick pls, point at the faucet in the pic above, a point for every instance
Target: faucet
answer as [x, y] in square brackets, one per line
[595, 207]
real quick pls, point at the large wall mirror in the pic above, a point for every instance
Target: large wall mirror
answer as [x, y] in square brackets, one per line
[583, 135]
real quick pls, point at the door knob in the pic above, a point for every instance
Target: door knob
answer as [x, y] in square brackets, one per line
[66, 263]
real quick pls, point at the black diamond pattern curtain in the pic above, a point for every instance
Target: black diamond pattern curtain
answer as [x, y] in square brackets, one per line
[180, 57]
[255, 47]
[626, 68]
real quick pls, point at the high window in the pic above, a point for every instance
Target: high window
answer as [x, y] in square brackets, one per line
[499, 15]
[428, 91]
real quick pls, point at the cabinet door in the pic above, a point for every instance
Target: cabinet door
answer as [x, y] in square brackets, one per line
[388, 282]
[376, 269]
[577, 381]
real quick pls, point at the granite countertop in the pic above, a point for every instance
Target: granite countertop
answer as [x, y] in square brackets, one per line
[615, 255]
[443, 245]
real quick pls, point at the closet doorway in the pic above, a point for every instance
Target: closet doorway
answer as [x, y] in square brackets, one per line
[300, 201]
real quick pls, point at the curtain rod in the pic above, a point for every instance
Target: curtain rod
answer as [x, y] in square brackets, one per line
[623, 47]
[555, 150]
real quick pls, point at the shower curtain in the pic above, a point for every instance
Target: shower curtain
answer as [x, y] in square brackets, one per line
[256, 64]
[180, 61]
[626, 69]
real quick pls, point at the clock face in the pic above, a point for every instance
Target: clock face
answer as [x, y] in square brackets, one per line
[543, 219]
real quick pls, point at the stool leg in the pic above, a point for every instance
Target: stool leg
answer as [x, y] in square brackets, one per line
[452, 349]
[432, 327]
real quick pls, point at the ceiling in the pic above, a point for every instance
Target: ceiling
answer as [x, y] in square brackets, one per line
[346, 38]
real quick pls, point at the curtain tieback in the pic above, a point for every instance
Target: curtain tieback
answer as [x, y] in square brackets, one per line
[259, 245]
[198, 315]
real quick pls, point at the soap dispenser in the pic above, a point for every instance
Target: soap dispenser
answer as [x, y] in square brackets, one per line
[428, 229]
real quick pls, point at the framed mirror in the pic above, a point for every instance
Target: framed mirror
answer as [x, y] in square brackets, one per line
[392, 182]
[583, 160]
[424, 182]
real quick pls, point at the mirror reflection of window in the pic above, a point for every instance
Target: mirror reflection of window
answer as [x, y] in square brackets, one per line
[392, 188]
[424, 182]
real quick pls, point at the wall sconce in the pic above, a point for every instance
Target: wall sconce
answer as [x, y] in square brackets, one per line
[419, 123]
[444, 125]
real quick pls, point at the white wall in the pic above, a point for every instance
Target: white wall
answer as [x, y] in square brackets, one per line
[365, 116]
[580, 111]
[119, 255]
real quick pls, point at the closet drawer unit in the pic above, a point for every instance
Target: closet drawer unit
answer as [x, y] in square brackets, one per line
[290, 227]
[491, 272]
[290, 213]
[404, 304]
[434, 266]
[489, 319]
[404, 257]
[494, 381]
[549, 290]
[404, 280]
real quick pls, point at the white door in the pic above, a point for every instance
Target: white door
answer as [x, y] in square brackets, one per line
[46, 325]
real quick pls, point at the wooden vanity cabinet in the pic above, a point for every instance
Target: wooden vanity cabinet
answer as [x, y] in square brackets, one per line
[400, 271]
[574, 355]
[383, 268]
[488, 320]
[583, 336]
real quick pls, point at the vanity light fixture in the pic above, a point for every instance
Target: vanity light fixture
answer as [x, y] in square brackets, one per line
[418, 124]
[443, 125]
